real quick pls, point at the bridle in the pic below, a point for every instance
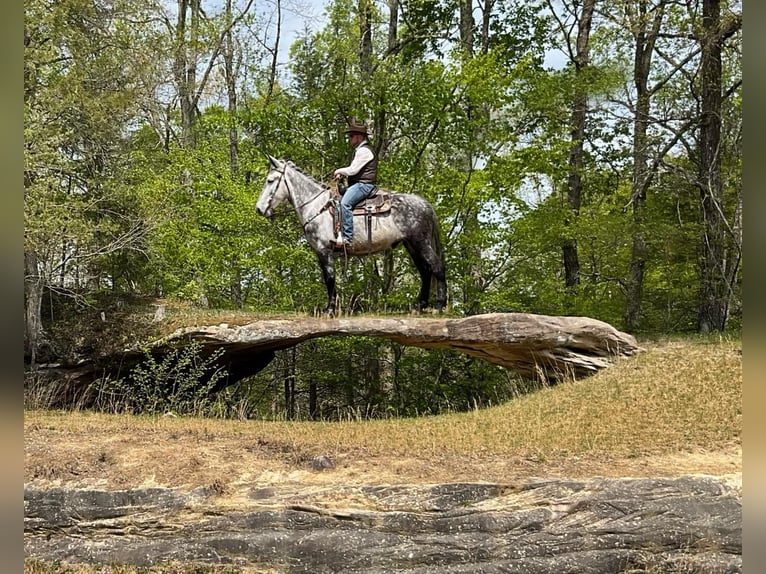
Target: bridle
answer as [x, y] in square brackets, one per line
[290, 195]
[276, 187]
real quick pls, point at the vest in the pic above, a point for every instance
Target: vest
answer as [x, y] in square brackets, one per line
[369, 173]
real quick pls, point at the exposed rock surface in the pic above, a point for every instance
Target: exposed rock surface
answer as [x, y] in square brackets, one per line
[537, 346]
[687, 524]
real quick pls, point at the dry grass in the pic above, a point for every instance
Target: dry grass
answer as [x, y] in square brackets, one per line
[671, 410]
[42, 567]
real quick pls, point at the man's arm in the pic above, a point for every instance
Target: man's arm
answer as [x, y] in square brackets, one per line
[362, 157]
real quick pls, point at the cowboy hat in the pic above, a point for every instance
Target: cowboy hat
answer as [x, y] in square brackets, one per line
[355, 127]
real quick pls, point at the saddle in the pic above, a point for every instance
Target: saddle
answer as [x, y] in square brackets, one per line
[378, 202]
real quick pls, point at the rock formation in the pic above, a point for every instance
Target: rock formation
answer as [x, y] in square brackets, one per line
[535, 346]
[671, 525]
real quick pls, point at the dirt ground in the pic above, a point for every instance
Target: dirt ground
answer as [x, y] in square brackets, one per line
[231, 466]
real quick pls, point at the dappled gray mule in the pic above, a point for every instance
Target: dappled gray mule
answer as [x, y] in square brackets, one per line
[411, 221]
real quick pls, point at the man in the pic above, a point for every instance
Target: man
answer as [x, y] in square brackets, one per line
[362, 174]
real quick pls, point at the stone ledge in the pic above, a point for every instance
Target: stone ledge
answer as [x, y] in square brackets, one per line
[534, 346]
[684, 524]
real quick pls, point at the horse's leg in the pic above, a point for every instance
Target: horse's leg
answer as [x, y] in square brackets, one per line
[436, 270]
[326, 264]
[430, 263]
[425, 274]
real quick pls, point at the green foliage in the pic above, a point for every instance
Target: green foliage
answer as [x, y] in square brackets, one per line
[180, 383]
[211, 245]
[80, 94]
[114, 201]
[361, 378]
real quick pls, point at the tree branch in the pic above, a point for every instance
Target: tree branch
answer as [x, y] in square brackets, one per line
[216, 51]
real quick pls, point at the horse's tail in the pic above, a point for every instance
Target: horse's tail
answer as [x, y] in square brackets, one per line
[439, 273]
[438, 245]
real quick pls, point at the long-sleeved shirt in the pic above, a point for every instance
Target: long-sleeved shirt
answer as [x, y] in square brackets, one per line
[362, 156]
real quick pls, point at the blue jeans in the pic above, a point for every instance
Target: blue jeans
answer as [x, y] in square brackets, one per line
[354, 194]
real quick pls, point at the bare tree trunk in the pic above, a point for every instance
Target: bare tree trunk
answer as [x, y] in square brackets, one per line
[714, 291]
[236, 288]
[736, 247]
[576, 151]
[190, 88]
[393, 24]
[373, 388]
[231, 91]
[365, 37]
[313, 400]
[33, 298]
[474, 283]
[289, 383]
[485, 22]
[228, 52]
[644, 50]
[466, 27]
[185, 67]
[387, 272]
[275, 52]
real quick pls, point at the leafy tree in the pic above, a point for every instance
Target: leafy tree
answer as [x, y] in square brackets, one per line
[210, 247]
[664, 57]
[609, 186]
[82, 71]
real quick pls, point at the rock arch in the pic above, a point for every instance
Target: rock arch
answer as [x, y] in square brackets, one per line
[536, 346]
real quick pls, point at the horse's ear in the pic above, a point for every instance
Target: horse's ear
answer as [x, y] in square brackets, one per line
[274, 161]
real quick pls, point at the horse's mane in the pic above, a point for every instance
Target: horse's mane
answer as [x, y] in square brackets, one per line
[308, 175]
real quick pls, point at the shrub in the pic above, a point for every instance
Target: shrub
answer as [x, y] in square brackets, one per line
[180, 382]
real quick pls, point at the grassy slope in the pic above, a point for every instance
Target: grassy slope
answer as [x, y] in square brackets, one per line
[677, 397]
[675, 409]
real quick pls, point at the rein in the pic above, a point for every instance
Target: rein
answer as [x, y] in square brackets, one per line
[305, 203]
[324, 208]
